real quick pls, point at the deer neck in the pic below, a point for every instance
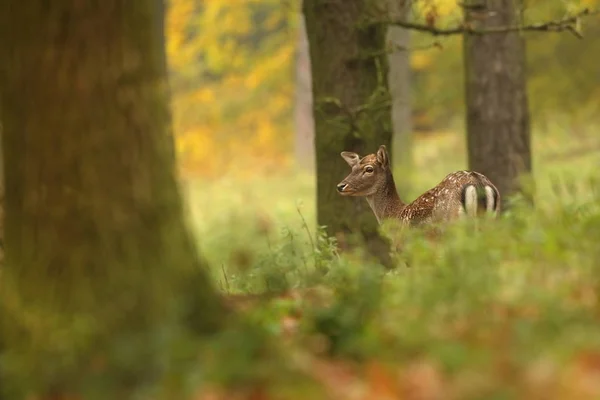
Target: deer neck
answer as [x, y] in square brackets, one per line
[386, 203]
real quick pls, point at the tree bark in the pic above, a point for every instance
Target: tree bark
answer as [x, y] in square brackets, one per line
[94, 217]
[1, 199]
[399, 80]
[351, 109]
[305, 124]
[498, 126]
[161, 10]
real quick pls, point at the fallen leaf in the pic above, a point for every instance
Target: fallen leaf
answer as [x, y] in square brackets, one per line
[422, 380]
[381, 385]
[581, 378]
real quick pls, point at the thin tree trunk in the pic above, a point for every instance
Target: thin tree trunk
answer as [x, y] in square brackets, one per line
[305, 124]
[399, 80]
[94, 218]
[351, 108]
[498, 127]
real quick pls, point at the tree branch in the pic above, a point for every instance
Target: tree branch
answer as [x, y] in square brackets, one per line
[568, 23]
[392, 48]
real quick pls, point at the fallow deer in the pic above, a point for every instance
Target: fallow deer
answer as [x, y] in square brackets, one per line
[461, 193]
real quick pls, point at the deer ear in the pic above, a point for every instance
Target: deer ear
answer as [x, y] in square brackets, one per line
[383, 157]
[351, 158]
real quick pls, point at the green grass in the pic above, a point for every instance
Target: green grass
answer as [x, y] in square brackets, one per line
[487, 306]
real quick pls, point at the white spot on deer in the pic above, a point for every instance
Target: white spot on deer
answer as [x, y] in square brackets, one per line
[490, 201]
[471, 200]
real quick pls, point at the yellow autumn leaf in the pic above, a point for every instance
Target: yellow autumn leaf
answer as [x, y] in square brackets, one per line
[205, 95]
[420, 60]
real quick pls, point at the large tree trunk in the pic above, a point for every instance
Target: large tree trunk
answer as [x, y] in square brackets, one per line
[498, 131]
[1, 199]
[305, 125]
[94, 218]
[351, 108]
[399, 80]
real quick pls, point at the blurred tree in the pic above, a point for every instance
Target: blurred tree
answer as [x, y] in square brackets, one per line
[352, 108]
[1, 200]
[399, 79]
[94, 225]
[498, 128]
[305, 124]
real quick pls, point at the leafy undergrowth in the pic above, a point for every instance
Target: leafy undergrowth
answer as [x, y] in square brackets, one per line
[505, 309]
[490, 310]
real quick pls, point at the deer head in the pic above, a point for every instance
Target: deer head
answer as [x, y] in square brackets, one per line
[368, 176]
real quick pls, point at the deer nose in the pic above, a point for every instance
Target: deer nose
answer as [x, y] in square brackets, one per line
[341, 186]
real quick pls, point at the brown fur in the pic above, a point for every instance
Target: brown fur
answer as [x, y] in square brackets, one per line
[372, 178]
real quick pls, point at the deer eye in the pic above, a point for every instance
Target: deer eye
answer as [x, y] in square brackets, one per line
[368, 169]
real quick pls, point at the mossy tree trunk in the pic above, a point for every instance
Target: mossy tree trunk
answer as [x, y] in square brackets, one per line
[498, 126]
[94, 218]
[399, 80]
[351, 104]
[1, 198]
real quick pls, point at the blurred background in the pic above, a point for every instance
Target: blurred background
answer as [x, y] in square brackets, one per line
[242, 104]
[240, 76]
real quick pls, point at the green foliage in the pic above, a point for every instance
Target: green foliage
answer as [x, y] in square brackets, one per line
[486, 299]
[487, 302]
